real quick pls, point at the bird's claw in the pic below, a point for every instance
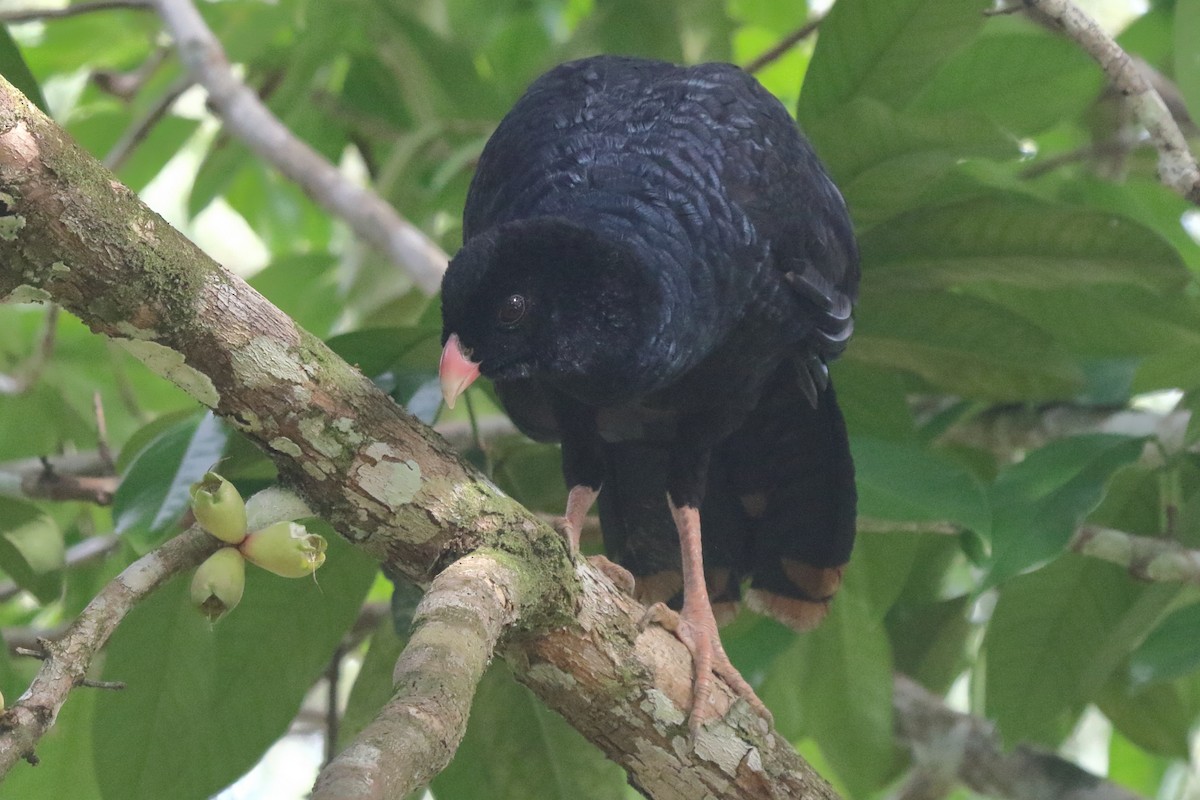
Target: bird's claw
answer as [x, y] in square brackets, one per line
[620, 577]
[698, 632]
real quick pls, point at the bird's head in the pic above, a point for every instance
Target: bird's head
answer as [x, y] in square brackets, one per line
[545, 297]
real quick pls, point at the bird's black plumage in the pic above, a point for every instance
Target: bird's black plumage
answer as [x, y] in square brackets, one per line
[655, 270]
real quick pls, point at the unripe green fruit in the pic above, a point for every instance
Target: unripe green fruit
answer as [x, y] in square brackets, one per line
[219, 582]
[285, 548]
[219, 508]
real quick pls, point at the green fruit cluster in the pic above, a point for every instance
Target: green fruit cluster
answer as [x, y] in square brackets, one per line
[287, 549]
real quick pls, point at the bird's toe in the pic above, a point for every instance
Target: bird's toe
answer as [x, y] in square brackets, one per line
[620, 577]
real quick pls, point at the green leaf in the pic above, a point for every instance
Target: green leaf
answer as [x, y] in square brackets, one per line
[885, 49]
[1158, 718]
[1135, 769]
[31, 548]
[16, 71]
[1008, 239]
[304, 286]
[900, 481]
[835, 685]
[1054, 639]
[153, 494]
[516, 748]
[1107, 320]
[373, 687]
[1172, 650]
[65, 768]
[1040, 502]
[529, 471]
[204, 702]
[960, 345]
[1025, 81]
[1187, 54]
[930, 641]
[874, 402]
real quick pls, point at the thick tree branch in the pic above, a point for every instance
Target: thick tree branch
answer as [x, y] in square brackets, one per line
[467, 609]
[249, 120]
[67, 659]
[69, 232]
[1177, 166]
[949, 748]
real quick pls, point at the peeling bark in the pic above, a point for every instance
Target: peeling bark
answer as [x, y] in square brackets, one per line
[70, 232]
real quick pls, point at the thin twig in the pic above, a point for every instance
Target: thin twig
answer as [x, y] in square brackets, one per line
[785, 44]
[333, 717]
[1177, 166]
[66, 661]
[29, 373]
[126, 84]
[33, 14]
[244, 114]
[140, 129]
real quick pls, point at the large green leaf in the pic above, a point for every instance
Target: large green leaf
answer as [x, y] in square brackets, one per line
[1135, 769]
[930, 641]
[835, 685]
[901, 481]
[885, 49]
[1055, 637]
[65, 768]
[1105, 320]
[16, 71]
[1025, 80]
[203, 703]
[516, 748]
[1172, 650]
[153, 494]
[31, 548]
[960, 345]
[1039, 503]
[1187, 54]
[1009, 239]
[1158, 718]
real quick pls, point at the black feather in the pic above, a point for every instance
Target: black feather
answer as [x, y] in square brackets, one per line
[688, 269]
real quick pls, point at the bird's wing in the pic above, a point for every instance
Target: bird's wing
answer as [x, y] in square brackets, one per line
[770, 171]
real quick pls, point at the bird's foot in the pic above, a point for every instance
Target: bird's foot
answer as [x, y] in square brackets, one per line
[697, 629]
[621, 577]
[570, 525]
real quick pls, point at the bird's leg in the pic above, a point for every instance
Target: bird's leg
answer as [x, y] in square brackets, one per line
[579, 503]
[696, 626]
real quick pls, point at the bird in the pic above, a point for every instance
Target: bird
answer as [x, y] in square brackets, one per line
[656, 271]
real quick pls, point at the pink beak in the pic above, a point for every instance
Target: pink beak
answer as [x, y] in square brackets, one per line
[456, 370]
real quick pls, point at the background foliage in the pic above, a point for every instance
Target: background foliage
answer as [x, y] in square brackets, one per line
[1025, 360]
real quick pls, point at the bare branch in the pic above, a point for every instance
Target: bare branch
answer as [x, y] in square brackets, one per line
[67, 659]
[1177, 166]
[456, 626]
[950, 747]
[140, 129]
[33, 14]
[785, 44]
[385, 482]
[247, 118]
[1146, 557]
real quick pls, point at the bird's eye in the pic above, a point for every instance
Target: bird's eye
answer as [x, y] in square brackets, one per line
[511, 311]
